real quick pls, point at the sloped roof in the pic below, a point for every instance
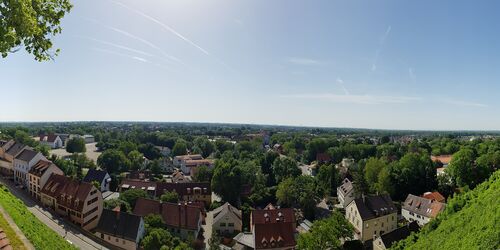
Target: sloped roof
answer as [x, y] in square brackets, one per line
[40, 167]
[399, 234]
[273, 227]
[181, 215]
[423, 206]
[183, 188]
[26, 155]
[445, 159]
[119, 224]
[371, 207]
[67, 191]
[434, 196]
[346, 186]
[224, 209]
[95, 175]
[144, 207]
[15, 149]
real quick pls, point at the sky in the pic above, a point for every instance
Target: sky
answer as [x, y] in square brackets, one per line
[429, 65]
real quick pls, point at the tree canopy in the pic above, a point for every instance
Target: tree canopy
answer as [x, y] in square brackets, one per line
[31, 24]
[326, 233]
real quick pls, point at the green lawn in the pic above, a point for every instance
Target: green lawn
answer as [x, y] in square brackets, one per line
[41, 236]
[15, 242]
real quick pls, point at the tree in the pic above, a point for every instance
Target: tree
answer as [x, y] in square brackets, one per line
[31, 24]
[180, 148]
[461, 168]
[76, 145]
[205, 146]
[20, 135]
[328, 179]
[96, 184]
[326, 233]
[172, 197]
[413, 174]
[284, 167]
[226, 180]
[159, 238]
[299, 192]
[113, 203]
[384, 182]
[136, 159]
[203, 174]
[372, 169]
[131, 196]
[152, 221]
[113, 161]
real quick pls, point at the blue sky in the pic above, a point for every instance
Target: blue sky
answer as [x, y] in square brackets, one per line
[364, 64]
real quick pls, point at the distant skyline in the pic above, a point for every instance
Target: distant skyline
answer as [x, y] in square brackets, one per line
[405, 65]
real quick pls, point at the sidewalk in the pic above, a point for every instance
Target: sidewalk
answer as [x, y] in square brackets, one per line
[16, 229]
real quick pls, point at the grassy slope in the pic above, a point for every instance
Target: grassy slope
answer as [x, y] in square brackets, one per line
[15, 242]
[41, 236]
[470, 221]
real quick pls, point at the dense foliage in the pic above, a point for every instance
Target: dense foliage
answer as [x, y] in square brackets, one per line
[31, 24]
[470, 221]
[326, 233]
[39, 234]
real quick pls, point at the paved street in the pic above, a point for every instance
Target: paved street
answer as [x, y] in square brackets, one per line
[66, 230]
[207, 228]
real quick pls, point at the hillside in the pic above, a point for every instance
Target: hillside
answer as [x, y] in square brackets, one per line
[470, 221]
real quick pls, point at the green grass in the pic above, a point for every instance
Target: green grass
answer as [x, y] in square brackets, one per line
[15, 242]
[40, 235]
[470, 221]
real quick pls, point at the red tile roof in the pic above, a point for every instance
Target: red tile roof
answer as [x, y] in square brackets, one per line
[181, 215]
[144, 207]
[40, 167]
[445, 159]
[273, 227]
[185, 188]
[434, 196]
[68, 192]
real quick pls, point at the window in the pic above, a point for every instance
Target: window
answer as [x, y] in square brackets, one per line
[102, 236]
[230, 224]
[116, 239]
[123, 242]
[222, 224]
[92, 201]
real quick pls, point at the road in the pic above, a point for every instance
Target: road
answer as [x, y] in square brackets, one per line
[207, 228]
[66, 230]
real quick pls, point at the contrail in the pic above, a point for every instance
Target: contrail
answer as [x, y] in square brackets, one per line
[140, 39]
[140, 59]
[168, 28]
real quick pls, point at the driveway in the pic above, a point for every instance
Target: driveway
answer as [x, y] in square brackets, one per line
[68, 231]
[207, 229]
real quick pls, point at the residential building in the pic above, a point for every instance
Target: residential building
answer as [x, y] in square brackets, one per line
[51, 140]
[183, 219]
[8, 151]
[434, 196]
[80, 202]
[188, 191]
[345, 192]
[23, 162]
[88, 139]
[372, 216]
[148, 186]
[271, 228]
[190, 167]
[323, 158]
[39, 174]
[226, 220]
[120, 229]
[442, 159]
[420, 209]
[178, 159]
[385, 241]
[100, 176]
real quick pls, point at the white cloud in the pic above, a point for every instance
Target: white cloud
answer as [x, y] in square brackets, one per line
[303, 61]
[465, 103]
[355, 99]
[341, 83]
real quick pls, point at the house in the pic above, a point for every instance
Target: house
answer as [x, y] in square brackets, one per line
[64, 138]
[435, 196]
[442, 159]
[278, 148]
[191, 166]
[80, 202]
[420, 209]
[100, 176]
[226, 220]
[39, 174]
[372, 216]
[188, 191]
[385, 241]
[148, 186]
[179, 177]
[23, 162]
[183, 219]
[8, 151]
[345, 192]
[271, 228]
[120, 229]
[88, 139]
[178, 159]
[51, 140]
